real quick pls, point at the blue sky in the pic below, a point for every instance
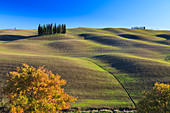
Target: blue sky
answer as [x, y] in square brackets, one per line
[27, 14]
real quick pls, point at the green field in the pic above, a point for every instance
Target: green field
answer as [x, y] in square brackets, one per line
[101, 66]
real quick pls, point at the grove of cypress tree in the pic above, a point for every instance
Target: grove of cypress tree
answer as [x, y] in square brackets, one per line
[50, 29]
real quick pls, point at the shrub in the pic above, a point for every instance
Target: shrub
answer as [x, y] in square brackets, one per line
[156, 101]
[36, 90]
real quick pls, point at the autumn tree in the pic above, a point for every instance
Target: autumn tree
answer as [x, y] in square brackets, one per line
[36, 90]
[156, 101]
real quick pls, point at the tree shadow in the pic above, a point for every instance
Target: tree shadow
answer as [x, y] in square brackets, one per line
[14, 37]
[164, 36]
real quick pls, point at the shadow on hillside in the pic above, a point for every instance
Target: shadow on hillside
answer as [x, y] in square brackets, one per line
[167, 42]
[114, 41]
[112, 30]
[86, 36]
[130, 36]
[136, 74]
[119, 63]
[164, 36]
[99, 39]
[14, 37]
[107, 40]
[136, 67]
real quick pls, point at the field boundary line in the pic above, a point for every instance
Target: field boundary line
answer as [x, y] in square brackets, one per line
[116, 79]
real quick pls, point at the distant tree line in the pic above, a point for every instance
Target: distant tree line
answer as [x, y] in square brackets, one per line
[50, 29]
[138, 27]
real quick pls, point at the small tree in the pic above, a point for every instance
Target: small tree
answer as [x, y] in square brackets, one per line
[156, 101]
[36, 90]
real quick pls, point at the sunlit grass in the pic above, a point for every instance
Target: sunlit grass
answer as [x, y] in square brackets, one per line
[85, 63]
[99, 103]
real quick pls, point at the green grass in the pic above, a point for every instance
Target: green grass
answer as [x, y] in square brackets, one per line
[80, 78]
[102, 103]
[85, 56]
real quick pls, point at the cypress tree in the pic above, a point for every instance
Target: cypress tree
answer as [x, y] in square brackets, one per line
[64, 28]
[59, 29]
[54, 29]
[48, 28]
[39, 31]
[51, 28]
[44, 30]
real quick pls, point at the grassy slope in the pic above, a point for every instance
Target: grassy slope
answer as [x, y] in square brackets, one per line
[91, 84]
[138, 58]
[141, 60]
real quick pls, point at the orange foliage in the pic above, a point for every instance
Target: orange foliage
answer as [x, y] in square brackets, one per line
[156, 101]
[36, 90]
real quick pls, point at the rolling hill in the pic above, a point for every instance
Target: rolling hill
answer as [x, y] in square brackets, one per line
[107, 67]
